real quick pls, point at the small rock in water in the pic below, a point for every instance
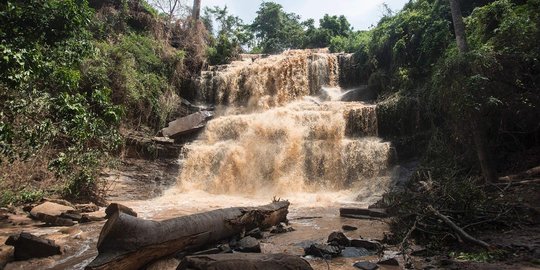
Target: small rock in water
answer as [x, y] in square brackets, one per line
[365, 265]
[89, 218]
[338, 239]
[323, 251]
[352, 252]
[367, 244]
[248, 244]
[87, 208]
[281, 228]
[28, 246]
[349, 228]
[389, 261]
[256, 233]
[54, 220]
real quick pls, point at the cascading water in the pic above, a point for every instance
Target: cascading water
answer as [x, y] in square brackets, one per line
[281, 129]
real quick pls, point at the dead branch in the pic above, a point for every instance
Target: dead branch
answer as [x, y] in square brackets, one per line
[460, 232]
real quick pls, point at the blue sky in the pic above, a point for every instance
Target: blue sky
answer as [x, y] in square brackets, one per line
[360, 13]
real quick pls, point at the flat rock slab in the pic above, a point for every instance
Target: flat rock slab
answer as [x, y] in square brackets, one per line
[244, 261]
[352, 252]
[367, 244]
[366, 266]
[50, 209]
[362, 213]
[187, 125]
[323, 251]
[28, 246]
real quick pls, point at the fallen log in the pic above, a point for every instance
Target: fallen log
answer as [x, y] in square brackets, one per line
[244, 261]
[127, 242]
[522, 175]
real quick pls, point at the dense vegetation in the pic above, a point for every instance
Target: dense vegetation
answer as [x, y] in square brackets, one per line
[432, 99]
[76, 74]
[72, 75]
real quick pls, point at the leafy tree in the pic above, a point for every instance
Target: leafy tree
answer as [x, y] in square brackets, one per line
[275, 29]
[231, 35]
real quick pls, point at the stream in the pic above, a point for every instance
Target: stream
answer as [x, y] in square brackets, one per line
[280, 131]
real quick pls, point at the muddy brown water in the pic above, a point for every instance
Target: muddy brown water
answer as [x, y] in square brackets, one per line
[313, 216]
[280, 131]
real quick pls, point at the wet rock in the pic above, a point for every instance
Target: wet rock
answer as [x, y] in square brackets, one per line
[244, 261]
[348, 228]
[215, 250]
[19, 220]
[389, 261]
[248, 244]
[367, 244]
[73, 215]
[6, 255]
[338, 239]
[54, 220]
[4, 214]
[85, 218]
[29, 246]
[281, 228]
[323, 251]
[187, 125]
[365, 265]
[352, 252]
[58, 201]
[116, 207]
[28, 207]
[49, 209]
[87, 208]
[362, 213]
[256, 233]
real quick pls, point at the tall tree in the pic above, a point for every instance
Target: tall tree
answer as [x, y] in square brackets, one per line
[275, 29]
[478, 129]
[171, 8]
[196, 10]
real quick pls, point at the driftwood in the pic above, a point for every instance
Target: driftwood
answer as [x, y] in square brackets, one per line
[127, 242]
[460, 232]
[244, 261]
[522, 175]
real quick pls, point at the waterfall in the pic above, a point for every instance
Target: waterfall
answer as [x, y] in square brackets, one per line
[283, 129]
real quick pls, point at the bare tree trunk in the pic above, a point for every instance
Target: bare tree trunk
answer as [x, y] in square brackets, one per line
[196, 10]
[129, 243]
[478, 129]
[459, 26]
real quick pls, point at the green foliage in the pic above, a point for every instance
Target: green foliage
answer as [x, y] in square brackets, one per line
[333, 31]
[231, 35]
[426, 86]
[275, 29]
[45, 113]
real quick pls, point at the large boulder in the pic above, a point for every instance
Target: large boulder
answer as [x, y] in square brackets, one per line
[28, 246]
[187, 125]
